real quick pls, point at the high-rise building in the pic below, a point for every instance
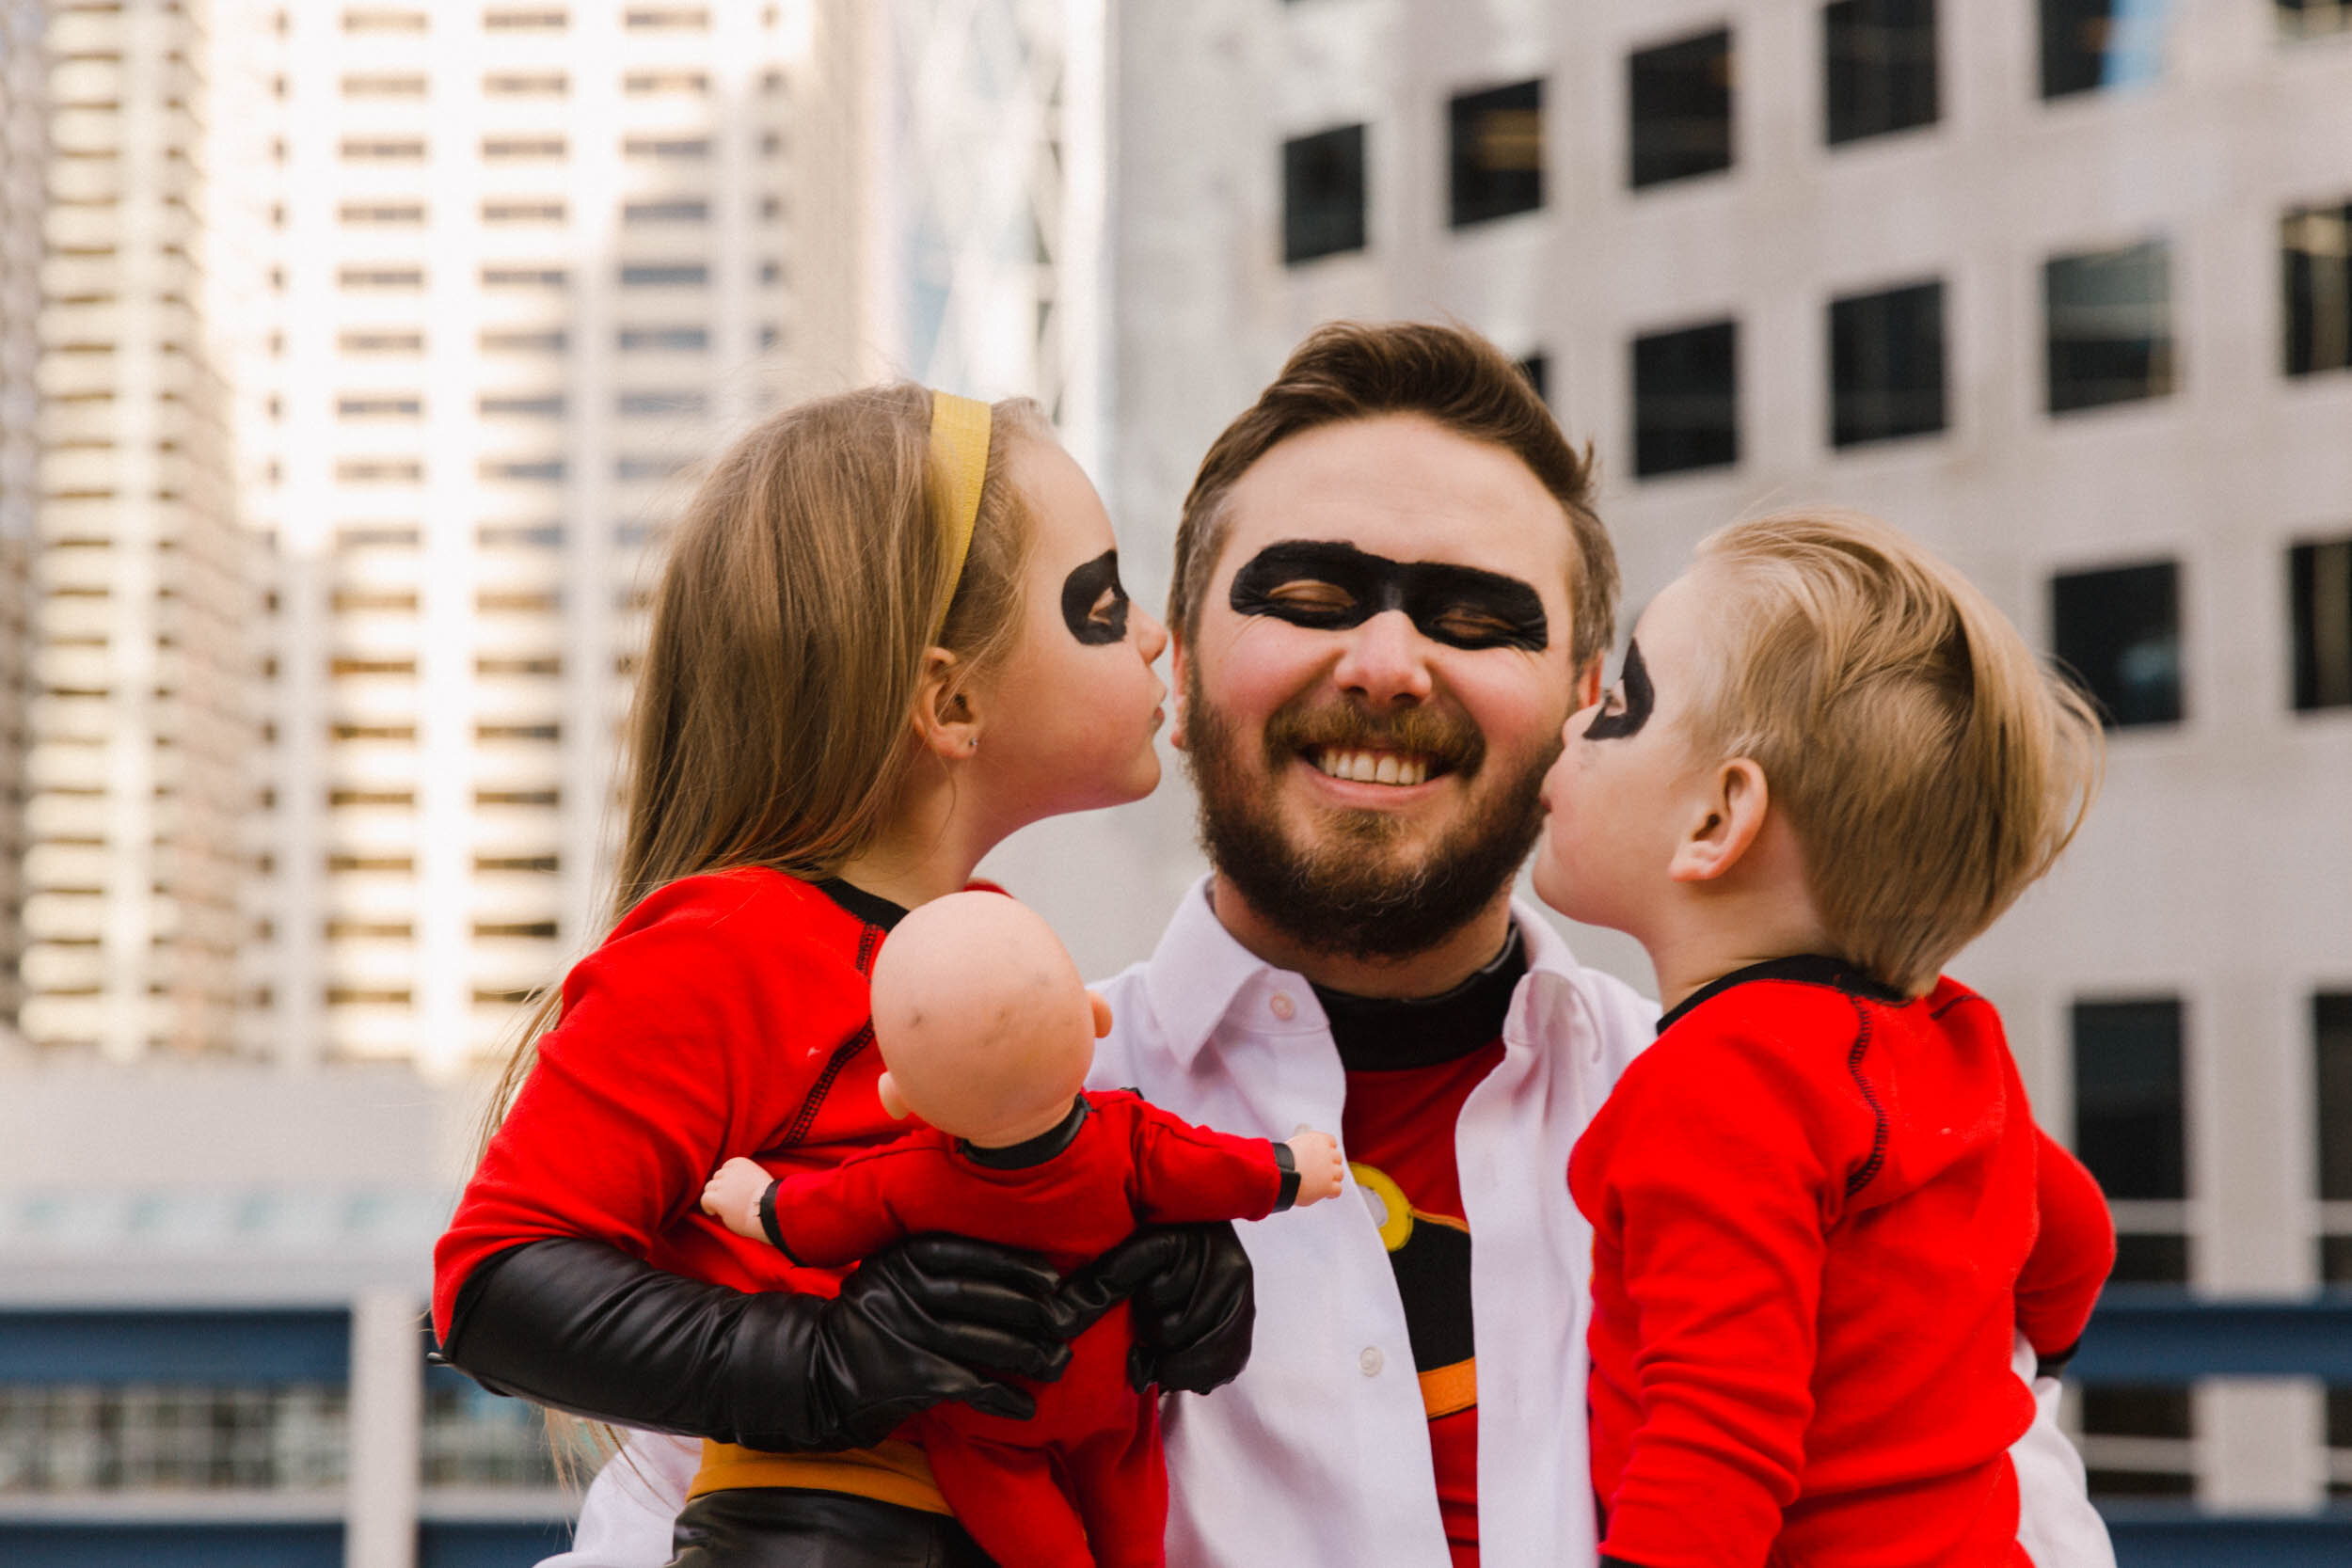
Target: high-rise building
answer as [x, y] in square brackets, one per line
[141, 722]
[24, 183]
[2063, 291]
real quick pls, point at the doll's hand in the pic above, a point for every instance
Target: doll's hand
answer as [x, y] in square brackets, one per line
[732, 1196]
[1321, 1171]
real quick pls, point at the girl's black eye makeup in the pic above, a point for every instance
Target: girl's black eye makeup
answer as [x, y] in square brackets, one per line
[1640, 697]
[1330, 586]
[1084, 608]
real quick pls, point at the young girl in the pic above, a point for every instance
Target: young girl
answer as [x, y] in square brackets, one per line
[890, 632]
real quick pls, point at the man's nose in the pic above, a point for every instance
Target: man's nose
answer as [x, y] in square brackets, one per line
[1385, 660]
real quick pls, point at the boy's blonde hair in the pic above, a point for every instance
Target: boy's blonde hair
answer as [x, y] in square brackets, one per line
[1930, 765]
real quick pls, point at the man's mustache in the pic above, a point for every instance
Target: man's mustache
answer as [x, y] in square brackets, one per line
[1449, 739]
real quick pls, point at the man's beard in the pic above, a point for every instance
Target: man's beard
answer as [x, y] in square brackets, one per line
[1348, 894]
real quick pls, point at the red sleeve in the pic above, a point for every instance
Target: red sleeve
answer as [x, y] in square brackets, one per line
[836, 1216]
[2073, 1254]
[668, 1058]
[1187, 1175]
[1714, 1170]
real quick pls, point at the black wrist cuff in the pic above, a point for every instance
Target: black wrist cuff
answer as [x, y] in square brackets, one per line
[768, 1220]
[2054, 1364]
[1287, 1162]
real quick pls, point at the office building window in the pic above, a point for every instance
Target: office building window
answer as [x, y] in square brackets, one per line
[377, 20]
[523, 278]
[1878, 67]
[2304, 19]
[2088, 45]
[2331, 1051]
[2319, 586]
[511, 149]
[2315, 249]
[380, 405]
[675, 339]
[405, 85]
[2108, 318]
[1681, 100]
[2117, 630]
[525, 84]
[542, 407]
[647, 83]
[1323, 194]
[1887, 365]
[534, 20]
[383, 149]
[676, 210]
[670, 403]
[523, 212]
[664, 274]
[1537, 367]
[395, 213]
[545, 341]
[148, 1437]
[665, 148]
[1497, 153]
[1685, 398]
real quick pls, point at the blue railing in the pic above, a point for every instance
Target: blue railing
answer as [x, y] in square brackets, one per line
[2142, 1335]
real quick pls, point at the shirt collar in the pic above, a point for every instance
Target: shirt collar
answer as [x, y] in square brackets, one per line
[1199, 972]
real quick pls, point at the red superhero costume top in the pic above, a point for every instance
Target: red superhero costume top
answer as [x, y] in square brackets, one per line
[1410, 1064]
[1082, 1481]
[727, 1014]
[1820, 1213]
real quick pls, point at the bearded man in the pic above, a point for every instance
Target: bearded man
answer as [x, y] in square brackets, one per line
[1390, 591]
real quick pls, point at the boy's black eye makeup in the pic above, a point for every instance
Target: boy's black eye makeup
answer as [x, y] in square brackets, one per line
[1084, 610]
[1640, 697]
[1331, 586]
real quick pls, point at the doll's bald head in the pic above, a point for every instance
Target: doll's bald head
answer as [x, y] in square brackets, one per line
[981, 1019]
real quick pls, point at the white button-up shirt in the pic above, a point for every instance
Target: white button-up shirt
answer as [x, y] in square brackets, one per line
[1318, 1456]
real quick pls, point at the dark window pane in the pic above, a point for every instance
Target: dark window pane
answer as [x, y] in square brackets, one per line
[1681, 97]
[2316, 251]
[2331, 1045]
[1537, 368]
[1685, 398]
[2150, 1257]
[2136, 1410]
[2319, 585]
[1879, 66]
[1887, 365]
[2335, 1260]
[2340, 1418]
[1323, 194]
[1498, 141]
[2303, 19]
[2109, 319]
[2127, 1097]
[2090, 44]
[2118, 631]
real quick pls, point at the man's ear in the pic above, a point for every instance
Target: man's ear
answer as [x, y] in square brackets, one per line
[1176, 686]
[1587, 685]
[1730, 815]
[893, 1106]
[1102, 1013]
[947, 715]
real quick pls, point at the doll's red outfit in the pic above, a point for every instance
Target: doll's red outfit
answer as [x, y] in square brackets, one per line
[1818, 1214]
[1083, 1482]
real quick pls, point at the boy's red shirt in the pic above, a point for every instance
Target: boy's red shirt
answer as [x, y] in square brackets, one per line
[727, 1014]
[1816, 1211]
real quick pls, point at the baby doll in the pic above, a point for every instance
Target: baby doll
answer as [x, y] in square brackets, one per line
[987, 1034]
[1819, 1203]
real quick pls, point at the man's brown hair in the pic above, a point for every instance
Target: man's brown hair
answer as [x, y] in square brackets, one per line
[1932, 765]
[1359, 370]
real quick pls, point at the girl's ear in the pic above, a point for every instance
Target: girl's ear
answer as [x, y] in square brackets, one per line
[944, 712]
[1730, 815]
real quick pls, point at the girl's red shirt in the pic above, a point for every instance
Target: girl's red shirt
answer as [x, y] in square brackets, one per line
[727, 1014]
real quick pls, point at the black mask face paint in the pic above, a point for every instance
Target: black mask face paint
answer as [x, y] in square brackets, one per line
[1640, 697]
[1082, 609]
[1331, 587]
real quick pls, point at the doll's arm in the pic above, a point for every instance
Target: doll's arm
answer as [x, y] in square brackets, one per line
[1185, 1174]
[824, 1218]
[2072, 1256]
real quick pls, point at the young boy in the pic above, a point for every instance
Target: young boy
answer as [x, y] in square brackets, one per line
[1819, 1203]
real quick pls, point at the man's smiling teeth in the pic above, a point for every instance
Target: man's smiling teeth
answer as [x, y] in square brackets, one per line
[1387, 767]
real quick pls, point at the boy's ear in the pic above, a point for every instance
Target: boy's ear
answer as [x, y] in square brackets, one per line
[1102, 1013]
[946, 716]
[1730, 815]
[893, 1106]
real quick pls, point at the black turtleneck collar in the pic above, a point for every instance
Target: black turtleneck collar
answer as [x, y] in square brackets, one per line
[1805, 968]
[1030, 1151]
[1381, 1034]
[870, 907]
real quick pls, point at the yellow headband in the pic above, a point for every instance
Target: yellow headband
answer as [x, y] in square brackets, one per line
[960, 448]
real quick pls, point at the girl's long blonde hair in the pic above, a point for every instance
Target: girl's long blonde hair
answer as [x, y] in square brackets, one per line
[798, 600]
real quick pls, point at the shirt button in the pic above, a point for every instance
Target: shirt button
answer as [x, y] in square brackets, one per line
[1372, 1361]
[1283, 1006]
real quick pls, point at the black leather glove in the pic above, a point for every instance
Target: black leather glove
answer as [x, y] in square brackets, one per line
[1193, 1303]
[581, 1326]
